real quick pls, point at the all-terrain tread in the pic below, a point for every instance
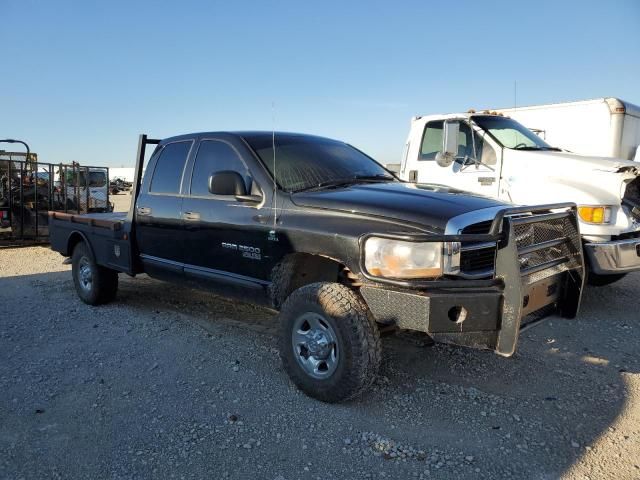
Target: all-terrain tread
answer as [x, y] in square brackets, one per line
[362, 339]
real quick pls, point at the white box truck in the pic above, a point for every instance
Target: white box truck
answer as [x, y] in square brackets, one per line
[496, 156]
[604, 127]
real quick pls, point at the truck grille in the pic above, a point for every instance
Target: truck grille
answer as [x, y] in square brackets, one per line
[477, 228]
[631, 198]
[477, 259]
[547, 244]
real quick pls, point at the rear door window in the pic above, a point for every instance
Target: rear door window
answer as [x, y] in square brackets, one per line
[169, 166]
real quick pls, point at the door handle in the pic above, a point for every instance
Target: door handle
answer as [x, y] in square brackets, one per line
[486, 180]
[191, 216]
[144, 211]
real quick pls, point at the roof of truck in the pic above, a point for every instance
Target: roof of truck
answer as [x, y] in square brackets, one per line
[255, 134]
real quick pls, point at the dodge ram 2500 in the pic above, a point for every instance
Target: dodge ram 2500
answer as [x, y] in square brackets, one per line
[322, 233]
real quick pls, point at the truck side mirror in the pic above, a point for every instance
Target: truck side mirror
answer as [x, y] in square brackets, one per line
[449, 144]
[227, 182]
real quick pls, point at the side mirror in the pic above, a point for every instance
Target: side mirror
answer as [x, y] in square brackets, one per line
[449, 144]
[227, 182]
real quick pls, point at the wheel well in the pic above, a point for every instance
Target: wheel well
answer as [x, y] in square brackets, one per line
[74, 239]
[300, 269]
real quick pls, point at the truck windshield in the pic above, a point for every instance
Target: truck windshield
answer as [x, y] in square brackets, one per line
[511, 134]
[306, 162]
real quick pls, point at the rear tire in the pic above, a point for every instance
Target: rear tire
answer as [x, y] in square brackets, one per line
[95, 285]
[329, 343]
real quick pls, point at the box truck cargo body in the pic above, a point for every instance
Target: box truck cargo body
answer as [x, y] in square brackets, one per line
[604, 127]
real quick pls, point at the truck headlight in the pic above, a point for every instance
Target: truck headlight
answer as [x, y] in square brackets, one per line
[402, 259]
[594, 213]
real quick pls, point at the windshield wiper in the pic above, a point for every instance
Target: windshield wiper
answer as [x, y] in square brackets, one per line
[536, 147]
[527, 147]
[339, 182]
[382, 177]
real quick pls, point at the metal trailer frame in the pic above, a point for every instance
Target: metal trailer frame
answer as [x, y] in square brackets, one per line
[17, 236]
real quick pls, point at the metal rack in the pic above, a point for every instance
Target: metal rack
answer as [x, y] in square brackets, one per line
[29, 189]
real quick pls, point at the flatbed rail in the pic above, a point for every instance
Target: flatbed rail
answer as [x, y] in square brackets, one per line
[87, 220]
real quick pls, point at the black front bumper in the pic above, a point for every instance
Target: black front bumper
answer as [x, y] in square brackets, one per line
[534, 272]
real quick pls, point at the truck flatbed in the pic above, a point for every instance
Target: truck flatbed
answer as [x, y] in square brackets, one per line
[111, 220]
[106, 234]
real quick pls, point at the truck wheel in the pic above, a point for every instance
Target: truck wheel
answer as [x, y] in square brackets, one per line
[329, 344]
[95, 285]
[602, 280]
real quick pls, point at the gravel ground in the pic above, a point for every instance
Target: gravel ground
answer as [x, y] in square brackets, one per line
[172, 383]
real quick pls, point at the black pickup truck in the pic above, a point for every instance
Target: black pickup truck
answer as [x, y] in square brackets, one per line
[319, 231]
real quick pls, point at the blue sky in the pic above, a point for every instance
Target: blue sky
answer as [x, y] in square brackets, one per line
[79, 80]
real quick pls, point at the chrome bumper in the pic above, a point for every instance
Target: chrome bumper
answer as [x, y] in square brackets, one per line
[618, 256]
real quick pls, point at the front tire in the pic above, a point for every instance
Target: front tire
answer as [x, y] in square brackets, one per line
[95, 285]
[329, 343]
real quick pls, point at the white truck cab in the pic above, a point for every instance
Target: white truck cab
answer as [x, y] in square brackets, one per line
[496, 156]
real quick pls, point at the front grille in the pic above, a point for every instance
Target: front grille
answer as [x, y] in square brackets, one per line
[479, 228]
[477, 259]
[481, 259]
[547, 244]
[631, 198]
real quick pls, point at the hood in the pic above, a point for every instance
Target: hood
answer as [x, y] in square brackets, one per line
[532, 177]
[429, 206]
[572, 162]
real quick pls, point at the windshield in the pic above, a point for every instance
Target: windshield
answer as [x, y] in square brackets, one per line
[511, 134]
[96, 178]
[305, 162]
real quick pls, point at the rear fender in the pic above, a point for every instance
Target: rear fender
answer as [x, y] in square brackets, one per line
[76, 237]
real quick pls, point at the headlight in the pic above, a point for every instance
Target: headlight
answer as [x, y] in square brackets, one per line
[594, 213]
[401, 259]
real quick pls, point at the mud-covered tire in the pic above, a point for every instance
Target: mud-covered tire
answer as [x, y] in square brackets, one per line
[355, 334]
[95, 285]
[601, 280]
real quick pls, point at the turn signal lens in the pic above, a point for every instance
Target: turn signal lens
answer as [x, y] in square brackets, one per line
[595, 214]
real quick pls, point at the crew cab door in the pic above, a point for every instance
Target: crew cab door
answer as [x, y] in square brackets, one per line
[474, 169]
[158, 212]
[225, 238]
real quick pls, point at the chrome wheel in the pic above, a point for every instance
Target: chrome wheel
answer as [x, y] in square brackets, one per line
[315, 345]
[84, 274]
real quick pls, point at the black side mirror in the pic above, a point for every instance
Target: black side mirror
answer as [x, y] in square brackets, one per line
[227, 182]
